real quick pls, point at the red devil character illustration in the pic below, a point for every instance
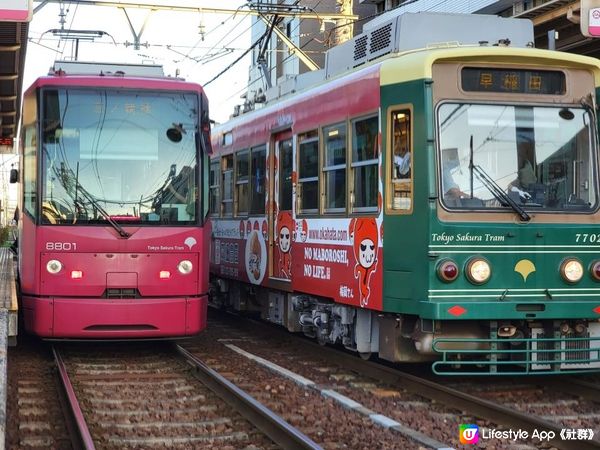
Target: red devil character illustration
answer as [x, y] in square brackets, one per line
[365, 242]
[285, 226]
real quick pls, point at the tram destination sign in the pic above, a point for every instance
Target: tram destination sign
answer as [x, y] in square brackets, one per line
[515, 81]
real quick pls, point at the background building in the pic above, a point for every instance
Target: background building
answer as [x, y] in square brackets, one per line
[14, 26]
[312, 36]
[556, 25]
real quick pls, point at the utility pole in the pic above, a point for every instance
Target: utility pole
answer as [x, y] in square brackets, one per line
[294, 49]
[344, 26]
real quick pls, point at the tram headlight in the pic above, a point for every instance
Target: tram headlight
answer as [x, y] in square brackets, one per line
[571, 270]
[185, 266]
[447, 270]
[478, 270]
[54, 266]
[595, 270]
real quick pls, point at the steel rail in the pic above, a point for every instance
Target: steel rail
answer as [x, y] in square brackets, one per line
[453, 398]
[277, 429]
[85, 438]
[581, 388]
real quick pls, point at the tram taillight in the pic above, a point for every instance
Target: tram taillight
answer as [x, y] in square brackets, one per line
[595, 270]
[447, 270]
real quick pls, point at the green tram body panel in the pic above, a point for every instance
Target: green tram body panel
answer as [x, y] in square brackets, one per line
[525, 257]
[406, 272]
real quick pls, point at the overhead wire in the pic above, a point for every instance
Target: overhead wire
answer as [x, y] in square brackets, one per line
[37, 40]
[291, 55]
[284, 60]
[203, 37]
[222, 23]
[62, 53]
[226, 46]
[258, 41]
[231, 40]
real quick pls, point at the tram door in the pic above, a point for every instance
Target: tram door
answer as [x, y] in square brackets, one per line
[281, 221]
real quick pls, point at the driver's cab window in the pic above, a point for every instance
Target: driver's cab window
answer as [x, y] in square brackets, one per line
[400, 160]
[30, 171]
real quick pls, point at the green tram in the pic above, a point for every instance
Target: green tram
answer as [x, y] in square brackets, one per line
[434, 203]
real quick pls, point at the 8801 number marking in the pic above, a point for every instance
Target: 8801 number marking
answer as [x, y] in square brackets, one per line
[61, 246]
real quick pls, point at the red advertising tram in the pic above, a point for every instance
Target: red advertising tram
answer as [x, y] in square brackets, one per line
[113, 225]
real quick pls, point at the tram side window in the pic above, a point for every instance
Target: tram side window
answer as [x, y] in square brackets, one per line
[365, 152]
[214, 189]
[30, 172]
[227, 177]
[334, 167]
[241, 183]
[285, 175]
[400, 160]
[308, 172]
[257, 176]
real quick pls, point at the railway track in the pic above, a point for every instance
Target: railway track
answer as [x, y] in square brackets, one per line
[141, 396]
[331, 424]
[463, 402]
[34, 417]
[568, 402]
[584, 388]
[150, 398]
[134, 396]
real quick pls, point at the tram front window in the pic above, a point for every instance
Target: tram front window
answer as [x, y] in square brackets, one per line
[539, 157]
[124, 155]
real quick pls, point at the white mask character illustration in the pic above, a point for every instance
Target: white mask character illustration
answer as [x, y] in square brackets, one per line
[366, 254]
[284, 239]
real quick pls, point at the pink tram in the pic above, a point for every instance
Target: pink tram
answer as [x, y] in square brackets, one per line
[112, 225]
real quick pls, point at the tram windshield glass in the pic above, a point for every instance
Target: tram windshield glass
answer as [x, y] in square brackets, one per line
[520, 157]
[119, 156]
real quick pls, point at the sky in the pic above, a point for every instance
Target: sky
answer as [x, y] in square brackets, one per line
[171, 39]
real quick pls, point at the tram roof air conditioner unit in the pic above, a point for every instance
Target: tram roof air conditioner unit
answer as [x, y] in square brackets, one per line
[100, 68]
[395, 32]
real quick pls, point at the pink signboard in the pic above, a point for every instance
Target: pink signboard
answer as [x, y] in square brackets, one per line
[594, 22]
[15, 10]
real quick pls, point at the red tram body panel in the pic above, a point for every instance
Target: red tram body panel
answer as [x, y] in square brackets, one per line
[321, 261]
[113, 225]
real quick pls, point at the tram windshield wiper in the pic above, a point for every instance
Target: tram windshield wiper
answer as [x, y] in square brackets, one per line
[90, 198]
[65, 176]
[497, 192]
[493, 187]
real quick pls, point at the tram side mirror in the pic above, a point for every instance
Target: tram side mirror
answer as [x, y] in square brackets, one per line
[205, 142]
[14, 176]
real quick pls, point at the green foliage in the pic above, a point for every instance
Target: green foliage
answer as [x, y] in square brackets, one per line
[4, 236]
